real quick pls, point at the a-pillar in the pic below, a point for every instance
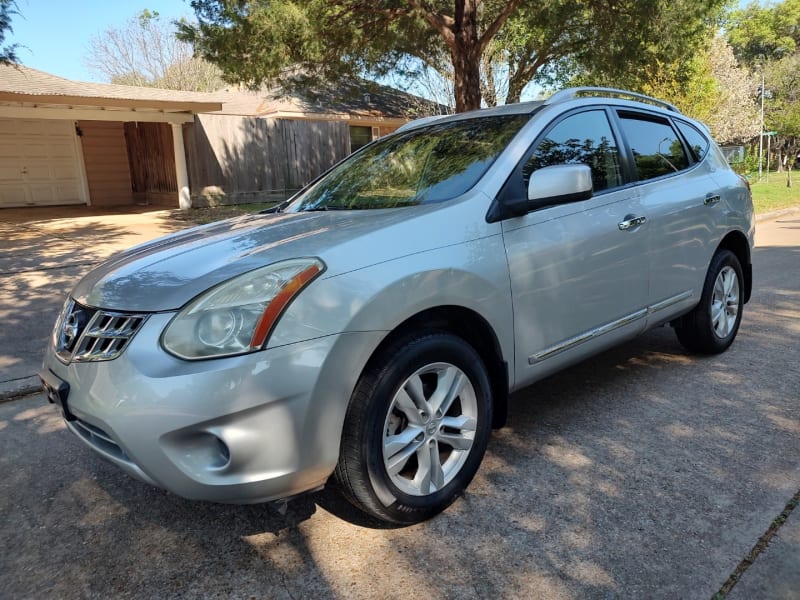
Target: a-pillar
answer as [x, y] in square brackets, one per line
[181, 172]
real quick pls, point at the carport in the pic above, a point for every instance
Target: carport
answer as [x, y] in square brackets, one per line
[69, 142]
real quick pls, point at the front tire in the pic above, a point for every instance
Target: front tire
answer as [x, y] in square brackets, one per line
[712, 325]
[416, 428]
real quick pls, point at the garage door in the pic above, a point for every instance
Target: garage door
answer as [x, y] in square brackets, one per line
[39, 163]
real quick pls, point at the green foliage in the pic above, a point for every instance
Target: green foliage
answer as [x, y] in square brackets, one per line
[649, 43]
[257, 41]
[768, 38]
[760, 33]
[522, 40]
[8, 53]
[782, 108]
[749, 166]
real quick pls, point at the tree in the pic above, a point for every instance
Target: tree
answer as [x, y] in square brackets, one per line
[762, 33]
[767, 38]
[145, 52]
[253, 40]
[733, 118]
[8, 53]
[782, 111]
[711, 87]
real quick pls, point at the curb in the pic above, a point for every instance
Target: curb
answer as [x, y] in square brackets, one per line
[776, 214]
[17, 388]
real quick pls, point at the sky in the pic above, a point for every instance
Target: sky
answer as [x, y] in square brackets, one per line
[56, 33]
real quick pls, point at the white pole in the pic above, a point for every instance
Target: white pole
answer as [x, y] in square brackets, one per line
[769, 143]
[181, 172]
[761, 132]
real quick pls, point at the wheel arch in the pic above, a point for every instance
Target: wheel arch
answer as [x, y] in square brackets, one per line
[473, 329]
[736, 242]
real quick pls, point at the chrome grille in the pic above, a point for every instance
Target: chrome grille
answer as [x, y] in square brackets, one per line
[86, 334]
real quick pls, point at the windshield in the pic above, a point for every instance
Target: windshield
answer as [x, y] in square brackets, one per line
[420, 166]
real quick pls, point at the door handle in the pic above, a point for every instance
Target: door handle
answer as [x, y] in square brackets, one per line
[631, 222]
[711, 199]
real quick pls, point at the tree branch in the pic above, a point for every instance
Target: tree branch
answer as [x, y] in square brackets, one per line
[492, 30]
[442, 23]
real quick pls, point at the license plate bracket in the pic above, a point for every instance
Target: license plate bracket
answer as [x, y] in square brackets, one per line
[57, 391]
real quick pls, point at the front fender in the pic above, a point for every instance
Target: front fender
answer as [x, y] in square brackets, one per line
[472, 274]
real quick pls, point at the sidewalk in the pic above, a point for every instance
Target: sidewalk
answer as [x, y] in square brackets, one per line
[775, 574]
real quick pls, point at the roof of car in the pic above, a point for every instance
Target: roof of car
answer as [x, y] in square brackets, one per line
[560, 96]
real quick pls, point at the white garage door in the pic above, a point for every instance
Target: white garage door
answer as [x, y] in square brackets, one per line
[39, 163]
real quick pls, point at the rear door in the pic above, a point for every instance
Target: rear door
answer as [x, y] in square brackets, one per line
[578, 279]
[681, 201]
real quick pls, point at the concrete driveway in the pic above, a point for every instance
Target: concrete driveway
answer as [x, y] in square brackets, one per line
[642, 473]
[41, 259]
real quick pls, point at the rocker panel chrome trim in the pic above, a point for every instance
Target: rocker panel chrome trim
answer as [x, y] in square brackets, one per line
[608, 327]
[585, 337]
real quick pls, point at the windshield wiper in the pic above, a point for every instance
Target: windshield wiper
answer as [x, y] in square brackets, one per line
[325, 208]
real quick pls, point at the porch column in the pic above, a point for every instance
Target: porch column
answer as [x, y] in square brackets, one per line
[181, 173]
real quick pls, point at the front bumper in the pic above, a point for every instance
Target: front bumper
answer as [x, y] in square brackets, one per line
[242, 429]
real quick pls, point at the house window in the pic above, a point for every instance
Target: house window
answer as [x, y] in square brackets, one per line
[359, 136]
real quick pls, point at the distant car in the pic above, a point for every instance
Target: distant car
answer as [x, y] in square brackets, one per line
[372, 327]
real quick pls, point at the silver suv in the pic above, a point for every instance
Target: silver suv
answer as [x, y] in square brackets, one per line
[370, 329]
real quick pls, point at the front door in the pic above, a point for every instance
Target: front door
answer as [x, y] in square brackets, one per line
[579, 271]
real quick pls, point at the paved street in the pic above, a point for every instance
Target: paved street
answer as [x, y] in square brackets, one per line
[642, 473]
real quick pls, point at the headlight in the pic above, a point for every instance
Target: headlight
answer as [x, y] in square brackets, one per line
[237, 316]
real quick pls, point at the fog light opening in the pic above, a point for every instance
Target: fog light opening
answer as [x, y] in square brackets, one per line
[222, 456]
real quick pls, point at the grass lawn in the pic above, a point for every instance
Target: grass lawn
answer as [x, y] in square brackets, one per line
[773, 194]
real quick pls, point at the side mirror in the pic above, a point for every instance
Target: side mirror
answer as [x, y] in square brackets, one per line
[548, 186]
[559, 184]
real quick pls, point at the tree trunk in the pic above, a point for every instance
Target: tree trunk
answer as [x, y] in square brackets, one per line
[467, 80]
[466, 55]
[515, 87]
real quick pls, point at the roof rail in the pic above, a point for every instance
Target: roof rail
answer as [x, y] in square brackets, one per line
[572, 93]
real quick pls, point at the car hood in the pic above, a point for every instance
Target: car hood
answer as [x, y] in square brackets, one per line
[166, 273]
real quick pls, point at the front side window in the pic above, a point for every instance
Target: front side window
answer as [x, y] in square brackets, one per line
[657, 149]
[420, 166]
[584, 138]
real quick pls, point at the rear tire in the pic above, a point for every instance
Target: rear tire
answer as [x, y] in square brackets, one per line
[711, 326]
[416, 428]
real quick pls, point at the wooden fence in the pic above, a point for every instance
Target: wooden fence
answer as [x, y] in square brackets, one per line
[244, 159]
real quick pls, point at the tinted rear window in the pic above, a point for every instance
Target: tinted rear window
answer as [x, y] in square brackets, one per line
[657, 148]
[696, 140]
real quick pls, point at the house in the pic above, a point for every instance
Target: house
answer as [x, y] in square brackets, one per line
[69, 142]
